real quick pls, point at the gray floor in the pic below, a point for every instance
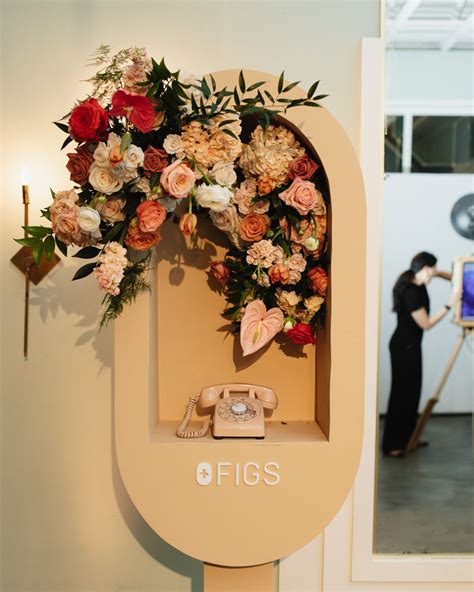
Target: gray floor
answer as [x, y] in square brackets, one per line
[425, 501]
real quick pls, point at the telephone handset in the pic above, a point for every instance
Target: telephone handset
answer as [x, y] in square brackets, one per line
[239, 411]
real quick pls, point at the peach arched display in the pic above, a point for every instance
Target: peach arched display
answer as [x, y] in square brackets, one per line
[238, 502]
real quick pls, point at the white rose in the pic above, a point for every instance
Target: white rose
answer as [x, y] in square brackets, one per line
[134, 157]
[311, 243]
[104, 180]
[88, 219]
[224, 174]
[101, 155]
[173, 144]
[214, 197]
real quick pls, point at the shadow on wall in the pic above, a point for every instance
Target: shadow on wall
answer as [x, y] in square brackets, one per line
[153, 544]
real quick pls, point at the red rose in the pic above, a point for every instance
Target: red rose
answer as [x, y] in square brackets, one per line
[301, 334]
[151, 215]
[141, 241]
[137, 109]
[302, 167]
[319, 280]
[88, 121]
[155, 160]
[220, 272]
[78, 165]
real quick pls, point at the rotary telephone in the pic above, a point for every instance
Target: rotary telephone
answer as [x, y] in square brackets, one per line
[239, 411]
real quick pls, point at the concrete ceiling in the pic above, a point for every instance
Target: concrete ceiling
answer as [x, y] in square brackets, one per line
[429, 24]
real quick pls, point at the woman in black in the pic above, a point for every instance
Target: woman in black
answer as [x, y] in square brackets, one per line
[412, 305]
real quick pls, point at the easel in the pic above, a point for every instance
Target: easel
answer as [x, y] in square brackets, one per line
[422, 420]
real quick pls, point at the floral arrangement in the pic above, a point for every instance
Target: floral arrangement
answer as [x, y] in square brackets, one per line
[153, 145]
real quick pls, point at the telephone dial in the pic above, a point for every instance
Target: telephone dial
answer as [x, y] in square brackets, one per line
[239, 411]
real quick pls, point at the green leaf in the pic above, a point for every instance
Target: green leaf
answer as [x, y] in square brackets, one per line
[49, 246]
[194, 105]
[62, 126]
[255, 86]
[28, 242]
[37, 251]
[126, 141]
[84, 271]
[312, 89]
[213, 83]
[38, 231]
[269, 96]
[225, 122]
[230, 133]
[53, 193]
[281, 81]
[319, 97]
[206, 91]
[311, 104]
[113, 232]
[87, 253]
[236, 97]
[45, 214]
[242, 82]
[290, 86]
[67, 141]
[61, 246]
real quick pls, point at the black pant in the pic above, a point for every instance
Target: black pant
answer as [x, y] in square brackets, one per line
[405, 393]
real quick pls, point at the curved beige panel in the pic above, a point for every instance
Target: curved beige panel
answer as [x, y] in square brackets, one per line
[264, 498]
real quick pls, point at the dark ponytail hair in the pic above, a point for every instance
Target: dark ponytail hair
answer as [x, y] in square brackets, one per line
[419, 261]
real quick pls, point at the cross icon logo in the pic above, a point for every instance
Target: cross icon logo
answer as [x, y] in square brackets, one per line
[204, 473]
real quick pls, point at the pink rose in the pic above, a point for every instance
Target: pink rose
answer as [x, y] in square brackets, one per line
[302, 167]
[220, 272]
[301, 195]
[155, 160]
[177, 179]
[151, 215]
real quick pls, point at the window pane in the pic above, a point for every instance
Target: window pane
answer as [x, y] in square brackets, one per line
[443, 145]
[393, 144]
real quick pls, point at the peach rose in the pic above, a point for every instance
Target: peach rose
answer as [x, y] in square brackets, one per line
[188, 223]
[220, 272]
[301, 195]
[279, 273]
[254, 227]
[111, 209]
[151, 215]
[319, 280]
[141, 241]
[177, 179]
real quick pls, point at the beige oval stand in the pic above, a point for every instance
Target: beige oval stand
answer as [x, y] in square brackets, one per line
[169, 345]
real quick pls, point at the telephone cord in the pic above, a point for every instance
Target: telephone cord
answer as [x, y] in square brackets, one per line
[181, 431]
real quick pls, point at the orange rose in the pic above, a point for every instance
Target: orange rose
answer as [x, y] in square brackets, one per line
[254, 227]
[279, 273]
[265, 185]
[319, 280]
[141, 241]
[151, 215]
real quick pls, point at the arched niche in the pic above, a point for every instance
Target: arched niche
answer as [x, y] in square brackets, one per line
[171, 343]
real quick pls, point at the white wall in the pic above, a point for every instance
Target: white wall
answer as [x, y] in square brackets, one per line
[417, 211]
[67, 521]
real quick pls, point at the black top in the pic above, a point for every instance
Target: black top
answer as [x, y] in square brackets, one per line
[413, 298]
